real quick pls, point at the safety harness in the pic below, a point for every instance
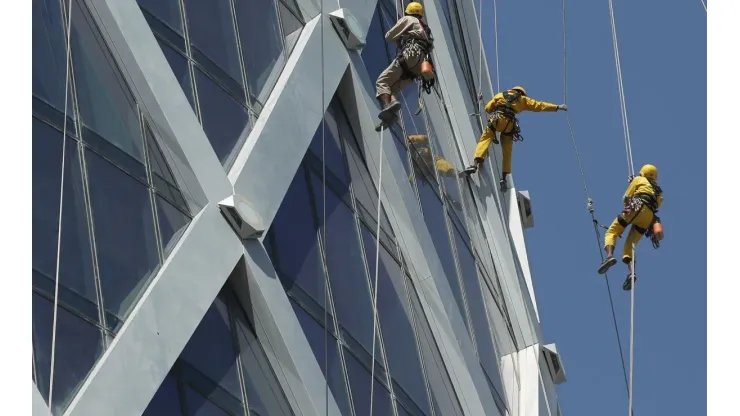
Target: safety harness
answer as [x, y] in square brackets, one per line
[411, 47]
[508, 112]
[635, 204]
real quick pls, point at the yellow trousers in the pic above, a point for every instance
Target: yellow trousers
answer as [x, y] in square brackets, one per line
[640, 221]
[504, 126]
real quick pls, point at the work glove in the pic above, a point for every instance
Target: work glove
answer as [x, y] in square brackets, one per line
[563, 107]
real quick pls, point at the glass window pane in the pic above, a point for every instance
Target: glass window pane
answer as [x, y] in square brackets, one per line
[291, 26]
[315, 334]
[374, 54]
[346, 268]
[332, 150]
[166, 402]
[359, 381]
[179, 66]
[478, 314]
[224, 119]
[212, 32]
[78, 347]
[260, 57]
[435, 220]
[49, 54]
[75, 266]
[199, 406]
[172, 223]
[105, 102]
[124, 233]
[211, 349]
[167, 11]
[296, 241]
[398, 333]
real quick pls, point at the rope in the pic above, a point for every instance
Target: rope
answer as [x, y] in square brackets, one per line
[323, 179]
[61, 208]
[703, 3]
[632, 328]
[588, 197]
[622, 100]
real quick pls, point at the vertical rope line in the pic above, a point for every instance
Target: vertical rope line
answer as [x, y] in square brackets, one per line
[620, 85]
[375, 284]
[61, 207]
[323, 191]
[632, 329]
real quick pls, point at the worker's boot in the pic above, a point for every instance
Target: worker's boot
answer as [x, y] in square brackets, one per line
[390, 107]
[610, 260]
[629, 282]
[477, 163]
[503, 184]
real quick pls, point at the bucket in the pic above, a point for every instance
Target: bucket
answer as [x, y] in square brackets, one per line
[427, 71]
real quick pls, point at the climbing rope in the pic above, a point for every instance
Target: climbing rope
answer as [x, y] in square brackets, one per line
[703, 3]
[61, 209]
[323, 237]
[590, 203]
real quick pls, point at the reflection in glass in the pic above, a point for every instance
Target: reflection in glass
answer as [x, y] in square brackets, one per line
[172, 223]
[292, 26]
[166, 401]
[296, 241]
[315, 334]
[105, 102]
[211, 349]
[260, 56]
[49, 53]
[346, 268]
[359, 381]
[124, 233]
[167, 11]
[398, 333]
[212, 32]
[78, 346]
[330, 146]
[224, 119]
[75, 266]
[199, 406]
[179, 66]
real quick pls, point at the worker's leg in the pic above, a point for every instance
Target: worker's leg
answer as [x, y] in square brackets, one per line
[481, 150]
[384, 88]
[615, 230]
[640, 223]
[507, 147]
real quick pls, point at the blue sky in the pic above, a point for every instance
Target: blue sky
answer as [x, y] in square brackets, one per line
[663, 54]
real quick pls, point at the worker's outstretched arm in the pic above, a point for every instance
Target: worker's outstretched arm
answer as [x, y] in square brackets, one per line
[404, 24]
[531, 104]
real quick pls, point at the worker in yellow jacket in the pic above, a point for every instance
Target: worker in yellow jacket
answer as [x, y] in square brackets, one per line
[503, 109]
[415, 41]
[641, 202]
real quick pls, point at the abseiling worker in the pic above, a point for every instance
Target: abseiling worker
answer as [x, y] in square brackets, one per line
[641, 202]
[415, 43]
[503, 108]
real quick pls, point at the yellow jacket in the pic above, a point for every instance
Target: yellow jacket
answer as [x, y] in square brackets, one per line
[640, 185]
[524, 103]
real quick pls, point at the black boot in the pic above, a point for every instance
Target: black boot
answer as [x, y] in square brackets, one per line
[390, 107]
[629, 281]
[609, 262]
[469, 170]
[503, 185]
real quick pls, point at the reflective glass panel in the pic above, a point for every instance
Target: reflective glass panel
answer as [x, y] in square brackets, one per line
[172, 223]
[105, 102]
[292, 26]
[295, 235]
[179, 66]
[167, 11]
[199, 406]
[78, 347]
[398, 333]
[166, 402]
[346, 268]
[124, 233]
[211, 349]
[330, 147]
[49, 53]
[75, 266]
[316, 338]
[359, 381]
[212, 32]
[260, 58]
[224, 119]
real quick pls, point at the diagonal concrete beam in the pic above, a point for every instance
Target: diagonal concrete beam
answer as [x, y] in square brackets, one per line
[188, 152]
[38, 404]
[266, 164]
[163, 320]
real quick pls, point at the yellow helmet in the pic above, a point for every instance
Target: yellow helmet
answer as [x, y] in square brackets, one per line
[520, 89]
[415, 8]
[650, 172]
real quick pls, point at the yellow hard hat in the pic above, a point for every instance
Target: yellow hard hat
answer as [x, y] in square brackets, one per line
[521, 89]
[415, 8]
[650, 172]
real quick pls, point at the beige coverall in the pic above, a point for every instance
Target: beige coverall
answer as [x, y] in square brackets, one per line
[389, 81]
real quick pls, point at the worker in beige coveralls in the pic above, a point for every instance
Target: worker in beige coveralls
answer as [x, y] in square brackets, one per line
[415, 42]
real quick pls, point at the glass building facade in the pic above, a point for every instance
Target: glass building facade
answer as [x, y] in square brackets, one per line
[148, 114]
